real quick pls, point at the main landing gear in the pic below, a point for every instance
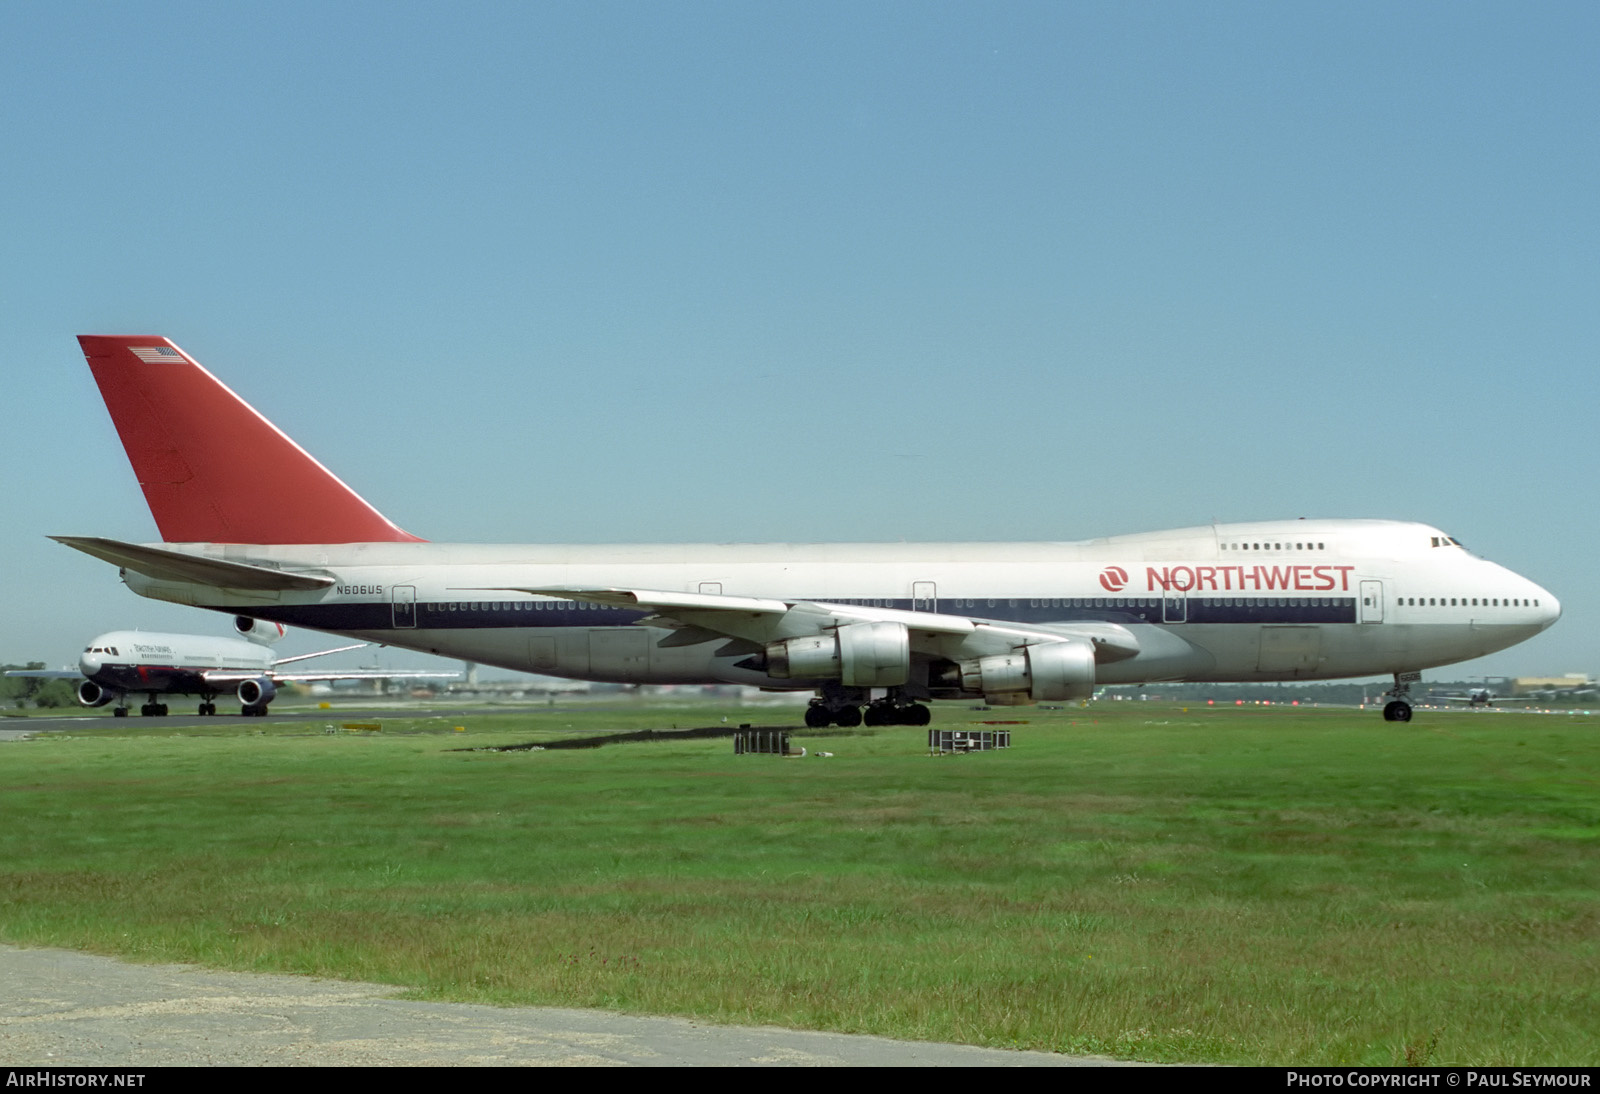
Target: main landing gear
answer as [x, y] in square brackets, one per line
[842, 706]
[1398, 708]
[886, 713]
[153, 709]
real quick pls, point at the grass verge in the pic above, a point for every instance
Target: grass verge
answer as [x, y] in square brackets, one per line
[1152, 882]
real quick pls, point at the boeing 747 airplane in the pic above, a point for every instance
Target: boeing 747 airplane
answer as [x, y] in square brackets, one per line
[253, 526]
[122, 663]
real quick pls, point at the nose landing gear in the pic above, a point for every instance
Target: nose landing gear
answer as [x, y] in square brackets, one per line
[1398, 708]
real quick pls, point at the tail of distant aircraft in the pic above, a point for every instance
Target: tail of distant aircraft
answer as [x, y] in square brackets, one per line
[212, 468]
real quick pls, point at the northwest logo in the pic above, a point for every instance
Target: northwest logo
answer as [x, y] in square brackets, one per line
[1113, 578]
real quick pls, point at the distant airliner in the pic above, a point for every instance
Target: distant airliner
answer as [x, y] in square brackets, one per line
[254, 526]
[1478, 697]
[120, 663]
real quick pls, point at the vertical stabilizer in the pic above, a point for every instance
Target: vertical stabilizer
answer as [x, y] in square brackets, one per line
[212, 468]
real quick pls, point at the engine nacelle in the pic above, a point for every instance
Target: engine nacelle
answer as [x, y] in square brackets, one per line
[1048, 671]
[257, 692]
[860, 655]
[91, 694]
[258, 631]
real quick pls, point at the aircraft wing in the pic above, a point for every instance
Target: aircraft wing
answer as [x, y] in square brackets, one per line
[47, 674]
[235, 677]
[319, 653]
[762, 620]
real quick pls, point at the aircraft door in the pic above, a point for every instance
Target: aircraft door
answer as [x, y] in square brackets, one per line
[405, 606]
[924, 596]
[1372, 602]
[1174, 608]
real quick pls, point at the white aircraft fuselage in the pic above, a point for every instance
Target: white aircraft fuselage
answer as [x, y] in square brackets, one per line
[153, 662]
[118, 664]
[1304, 599]
[254, 526]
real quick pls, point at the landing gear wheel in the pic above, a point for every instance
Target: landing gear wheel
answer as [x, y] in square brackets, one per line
[887, 714]
[120, 712]
[848, 717]
[817, 716]
[1398, 708]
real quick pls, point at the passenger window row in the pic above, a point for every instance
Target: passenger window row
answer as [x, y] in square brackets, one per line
[1465, 602]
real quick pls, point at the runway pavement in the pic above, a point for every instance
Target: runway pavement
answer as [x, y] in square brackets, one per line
[15, 728]
[65, 1009]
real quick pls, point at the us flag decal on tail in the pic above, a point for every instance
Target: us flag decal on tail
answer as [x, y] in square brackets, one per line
[156, 355]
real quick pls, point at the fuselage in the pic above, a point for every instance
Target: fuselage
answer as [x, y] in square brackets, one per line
[1304, 599]
[151, 662]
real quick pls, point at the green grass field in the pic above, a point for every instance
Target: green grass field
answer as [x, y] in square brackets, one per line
[1265, 885]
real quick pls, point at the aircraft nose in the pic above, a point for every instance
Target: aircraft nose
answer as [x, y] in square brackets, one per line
[89, 663]
[1549, 608]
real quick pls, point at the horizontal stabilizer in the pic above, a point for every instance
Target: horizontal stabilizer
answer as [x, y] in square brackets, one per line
[166, 565]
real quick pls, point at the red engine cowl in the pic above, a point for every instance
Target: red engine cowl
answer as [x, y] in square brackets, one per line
[258, 631]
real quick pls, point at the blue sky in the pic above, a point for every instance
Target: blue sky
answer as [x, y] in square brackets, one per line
[733, 271]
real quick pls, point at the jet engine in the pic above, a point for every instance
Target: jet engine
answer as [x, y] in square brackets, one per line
[256, 693]
[258, 631]
[91, 694]
[861, 655]
[1049, 671]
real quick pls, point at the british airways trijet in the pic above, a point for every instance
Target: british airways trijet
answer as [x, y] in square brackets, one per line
[252, 525]
[118, 664]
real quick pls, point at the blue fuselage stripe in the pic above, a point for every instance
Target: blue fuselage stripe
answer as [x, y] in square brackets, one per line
[443, 615]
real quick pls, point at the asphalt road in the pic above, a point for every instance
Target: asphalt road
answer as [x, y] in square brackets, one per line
[183, 717]
[65, 1009]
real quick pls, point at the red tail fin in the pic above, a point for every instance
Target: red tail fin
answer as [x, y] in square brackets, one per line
[213, 470]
